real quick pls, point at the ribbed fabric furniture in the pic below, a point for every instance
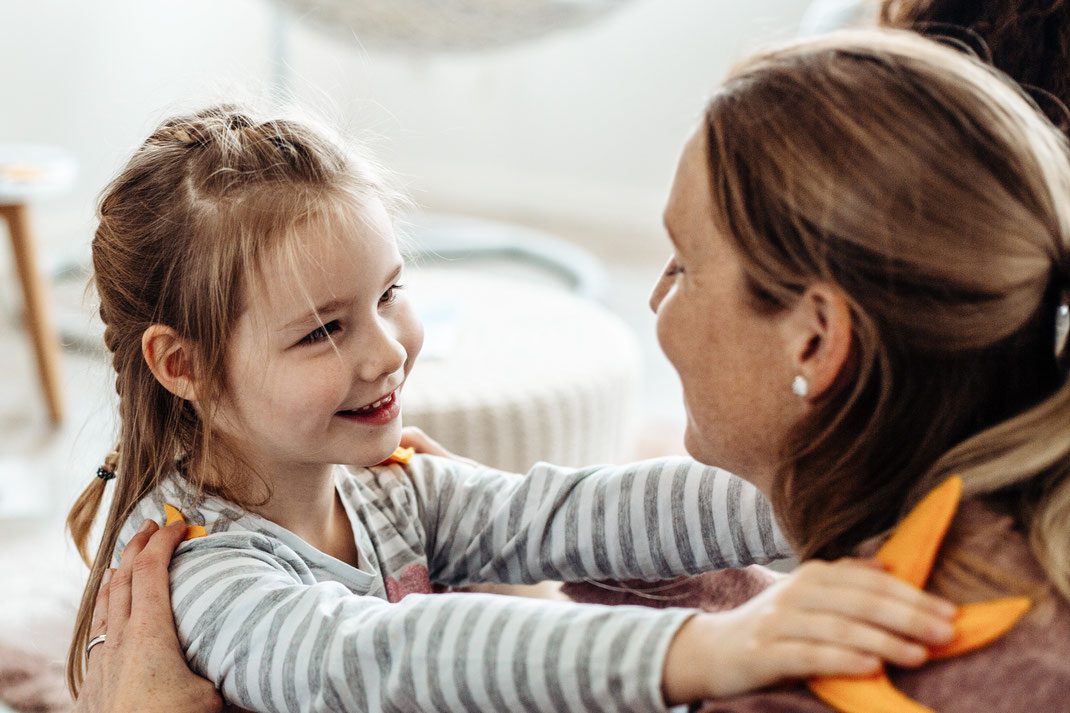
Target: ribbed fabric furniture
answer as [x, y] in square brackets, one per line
[514, 371]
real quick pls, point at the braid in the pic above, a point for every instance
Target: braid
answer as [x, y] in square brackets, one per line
[182, 228]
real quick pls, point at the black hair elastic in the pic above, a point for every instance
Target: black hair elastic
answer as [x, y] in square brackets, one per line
[106, 472]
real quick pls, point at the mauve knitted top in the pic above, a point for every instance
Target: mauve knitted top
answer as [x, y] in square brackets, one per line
[1026, 671]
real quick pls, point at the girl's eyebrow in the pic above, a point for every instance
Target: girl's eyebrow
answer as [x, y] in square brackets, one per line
[332, 305]
[394, 275]
[313, 316]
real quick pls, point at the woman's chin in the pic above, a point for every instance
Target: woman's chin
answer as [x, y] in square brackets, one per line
[698, 449]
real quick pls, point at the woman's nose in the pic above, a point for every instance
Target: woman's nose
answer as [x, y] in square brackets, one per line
[661, 288]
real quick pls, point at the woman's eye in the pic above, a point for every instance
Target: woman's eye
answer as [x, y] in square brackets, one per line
[391, 294]
[673, 269]
[321, 333]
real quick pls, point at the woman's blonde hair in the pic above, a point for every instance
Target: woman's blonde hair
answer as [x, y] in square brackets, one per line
[934, 194]
[183, 228]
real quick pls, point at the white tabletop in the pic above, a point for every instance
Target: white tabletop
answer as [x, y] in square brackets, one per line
[29, 171]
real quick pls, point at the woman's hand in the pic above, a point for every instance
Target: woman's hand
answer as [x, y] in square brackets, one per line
[140, 666]
[824, 619]
[413, 437]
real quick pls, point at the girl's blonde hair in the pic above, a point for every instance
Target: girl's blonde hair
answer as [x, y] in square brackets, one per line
[183, 228]
[931, 191]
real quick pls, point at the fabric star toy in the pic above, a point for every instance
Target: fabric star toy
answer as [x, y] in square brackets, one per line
[910, 554]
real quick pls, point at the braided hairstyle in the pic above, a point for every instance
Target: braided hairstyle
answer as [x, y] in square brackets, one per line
[181, 229]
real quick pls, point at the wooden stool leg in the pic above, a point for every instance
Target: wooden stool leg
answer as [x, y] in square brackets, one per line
[45, 340]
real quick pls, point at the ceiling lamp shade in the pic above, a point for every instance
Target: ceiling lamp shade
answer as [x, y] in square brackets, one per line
[445, 25]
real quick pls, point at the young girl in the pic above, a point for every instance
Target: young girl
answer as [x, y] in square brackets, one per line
[251, 288]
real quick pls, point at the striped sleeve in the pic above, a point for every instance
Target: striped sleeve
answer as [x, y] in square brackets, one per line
[252, 621]
[651, 520]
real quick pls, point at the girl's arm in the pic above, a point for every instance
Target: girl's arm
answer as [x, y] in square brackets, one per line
[651, 520]
[253, 621]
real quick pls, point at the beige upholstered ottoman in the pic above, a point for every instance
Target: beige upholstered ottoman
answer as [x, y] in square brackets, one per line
[514, 371]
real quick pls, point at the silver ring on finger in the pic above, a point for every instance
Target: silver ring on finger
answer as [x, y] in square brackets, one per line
[93, 642]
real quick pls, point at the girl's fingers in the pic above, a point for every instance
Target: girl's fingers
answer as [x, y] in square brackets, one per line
[99, 623]
[119, 604]
[895, 615]
[831, 630]
[803, 659]
[151, 587]
[413, 437]
[869, 576]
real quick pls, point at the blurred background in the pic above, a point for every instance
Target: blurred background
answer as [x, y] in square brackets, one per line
[560, 126]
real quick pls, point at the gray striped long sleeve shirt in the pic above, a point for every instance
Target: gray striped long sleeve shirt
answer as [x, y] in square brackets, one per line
[280, 626]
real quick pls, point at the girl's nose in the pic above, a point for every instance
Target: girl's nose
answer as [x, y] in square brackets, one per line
[381, 356]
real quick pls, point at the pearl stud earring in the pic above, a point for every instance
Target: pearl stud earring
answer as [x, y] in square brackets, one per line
[800, 386]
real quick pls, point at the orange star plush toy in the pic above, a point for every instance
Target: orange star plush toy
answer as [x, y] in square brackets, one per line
[402, 456]
[173, 515]
[909, 554]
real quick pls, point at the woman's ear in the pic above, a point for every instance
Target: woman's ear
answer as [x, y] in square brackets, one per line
[170, 360]
[819, 338]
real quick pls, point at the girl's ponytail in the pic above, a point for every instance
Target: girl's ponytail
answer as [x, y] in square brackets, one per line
[84, 511]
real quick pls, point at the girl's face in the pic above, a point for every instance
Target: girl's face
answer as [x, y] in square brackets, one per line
[732, 361]
[319, 356]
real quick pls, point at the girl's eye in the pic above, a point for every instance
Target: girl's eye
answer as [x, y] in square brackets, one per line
[673, 269]
[391, 294]
[321, 333]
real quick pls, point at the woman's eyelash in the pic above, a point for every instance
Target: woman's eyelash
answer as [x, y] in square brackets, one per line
[673, 269]
[391, 294]
[322, 332]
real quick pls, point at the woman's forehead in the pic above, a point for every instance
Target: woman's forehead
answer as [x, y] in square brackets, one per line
[687, 212]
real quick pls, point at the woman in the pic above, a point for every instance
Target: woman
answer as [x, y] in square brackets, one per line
[884, 223]
[871, 246]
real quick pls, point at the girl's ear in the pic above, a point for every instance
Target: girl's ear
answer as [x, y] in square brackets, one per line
[819, 336]
[170, 360]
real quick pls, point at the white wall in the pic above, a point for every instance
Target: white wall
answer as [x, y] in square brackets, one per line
[578, 131]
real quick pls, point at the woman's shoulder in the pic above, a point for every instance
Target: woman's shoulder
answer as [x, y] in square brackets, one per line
[985, 556]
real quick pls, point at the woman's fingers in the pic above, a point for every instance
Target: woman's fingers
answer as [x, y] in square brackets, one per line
[151, 591]
[99, 623]
[121, 590]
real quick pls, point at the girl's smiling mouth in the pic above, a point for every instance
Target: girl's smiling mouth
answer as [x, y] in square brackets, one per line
[380, 412]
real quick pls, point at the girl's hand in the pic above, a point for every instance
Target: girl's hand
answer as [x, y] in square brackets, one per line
[140, 666]
[413, 437]
[842, 618]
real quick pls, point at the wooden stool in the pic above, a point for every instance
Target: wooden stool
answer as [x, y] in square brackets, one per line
[27, 172]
